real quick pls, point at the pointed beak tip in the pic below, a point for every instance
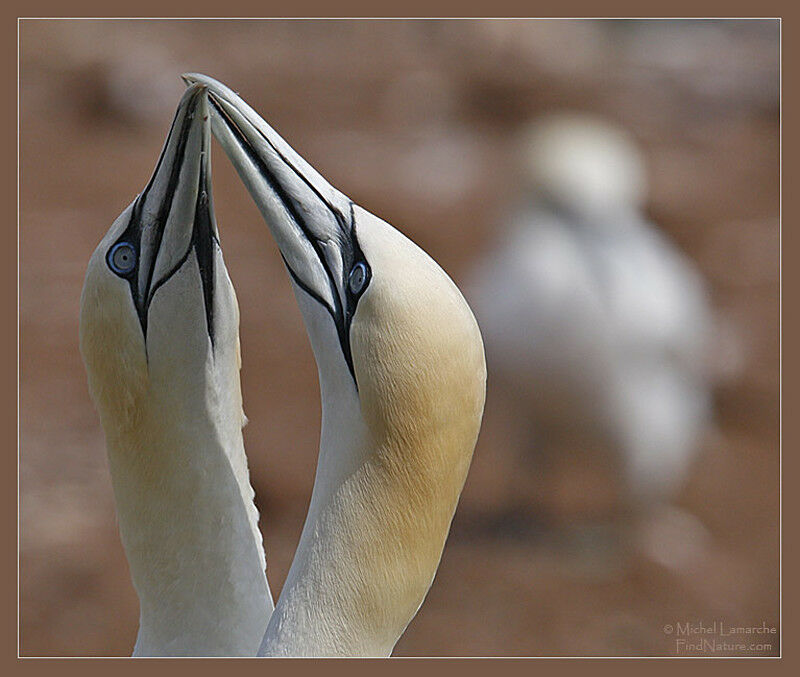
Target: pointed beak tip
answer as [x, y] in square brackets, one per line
[198, 80]
[193, 97]
[194, 102]
[196, 87]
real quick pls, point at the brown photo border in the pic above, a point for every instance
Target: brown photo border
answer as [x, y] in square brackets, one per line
[411, 8]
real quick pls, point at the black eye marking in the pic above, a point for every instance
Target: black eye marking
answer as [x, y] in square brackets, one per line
[359, 277]
[122, 258]
[342, 310]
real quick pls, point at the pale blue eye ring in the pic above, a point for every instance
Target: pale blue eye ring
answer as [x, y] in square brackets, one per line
[122, 258]
[358, 278]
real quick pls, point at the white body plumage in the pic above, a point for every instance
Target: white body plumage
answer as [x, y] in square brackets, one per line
[591, 315]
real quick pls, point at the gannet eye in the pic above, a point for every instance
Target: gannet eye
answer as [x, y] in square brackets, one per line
[358, 278]
[122, 258]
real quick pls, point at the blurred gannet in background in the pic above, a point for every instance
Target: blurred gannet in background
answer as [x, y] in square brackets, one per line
[402, 380]
[593, 320]
[159, 334]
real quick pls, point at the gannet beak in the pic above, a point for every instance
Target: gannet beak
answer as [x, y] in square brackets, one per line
[311, 221]
[173, 215]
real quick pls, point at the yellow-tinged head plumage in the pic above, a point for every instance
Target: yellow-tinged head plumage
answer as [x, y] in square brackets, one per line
[418, 359]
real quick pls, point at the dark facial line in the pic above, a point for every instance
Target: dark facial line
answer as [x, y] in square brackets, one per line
[172, 185]
[204, 248]
[202, 245]
[161, 158]
[286, 200]
[204, 251]
[341, 316]
[337, 214]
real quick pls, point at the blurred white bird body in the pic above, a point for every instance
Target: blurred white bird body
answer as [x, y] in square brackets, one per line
[657, 308]
[520, 294]
[591, 315]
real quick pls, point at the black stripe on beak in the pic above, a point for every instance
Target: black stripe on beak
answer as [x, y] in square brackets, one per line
[350, 251]
[203, 238]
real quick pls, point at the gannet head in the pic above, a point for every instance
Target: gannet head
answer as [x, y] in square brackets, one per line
[157, 307]
[401, 368]
[582, 164]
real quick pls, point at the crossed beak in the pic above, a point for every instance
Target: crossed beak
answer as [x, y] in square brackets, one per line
[310, 220]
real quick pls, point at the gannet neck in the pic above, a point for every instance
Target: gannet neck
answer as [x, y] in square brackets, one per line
[196, 567]
[319, 612]
[393, 456]
[181, 485]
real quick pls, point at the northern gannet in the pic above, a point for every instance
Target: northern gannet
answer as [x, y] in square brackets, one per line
[159, 334]
[402, 380]
[593, 319]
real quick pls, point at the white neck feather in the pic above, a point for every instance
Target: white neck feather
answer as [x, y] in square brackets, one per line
[393, 459]
[323, 609]
[172, 416]
[318, 611]
[189, 528]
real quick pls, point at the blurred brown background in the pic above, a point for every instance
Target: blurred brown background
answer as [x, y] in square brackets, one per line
[414, 120]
